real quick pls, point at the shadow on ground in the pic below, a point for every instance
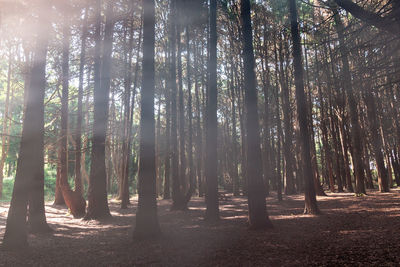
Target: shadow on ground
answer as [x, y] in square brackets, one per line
[352, 230]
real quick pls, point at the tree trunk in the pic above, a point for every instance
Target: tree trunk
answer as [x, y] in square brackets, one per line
[287, 144]
[258, 216]
[146, 216]
[29, 180]
[211, 174]
[97, 193]
[74, 200]
[309, 191]
[352, 105]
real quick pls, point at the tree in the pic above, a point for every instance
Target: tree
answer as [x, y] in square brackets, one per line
[211, 174]
[309, 190]
[29, 181]
[258, 216]
[74, 199]
[389, 23]
[97, 193]
[146, 216]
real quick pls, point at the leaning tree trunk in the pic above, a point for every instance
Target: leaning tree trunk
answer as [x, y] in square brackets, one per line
[146, 215]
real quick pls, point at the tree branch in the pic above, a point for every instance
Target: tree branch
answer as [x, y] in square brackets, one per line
[382, 23]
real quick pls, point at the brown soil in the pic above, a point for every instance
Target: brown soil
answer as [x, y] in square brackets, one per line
[361, 231]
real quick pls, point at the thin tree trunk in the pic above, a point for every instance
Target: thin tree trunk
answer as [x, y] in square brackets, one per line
[211, 174]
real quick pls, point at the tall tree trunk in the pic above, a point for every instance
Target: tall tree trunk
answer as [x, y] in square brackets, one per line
[29, 180]
[211, 174]
[78, 131]
[177, 197]
[309, 191]
[74, 200]
[146, 216]
[182, 152]
[190, 115]
[124, 193]
[376, 140]
[258, 216]
[287, 144]
[235, 178]
[199, 135]
[97, 195]
[352, 105]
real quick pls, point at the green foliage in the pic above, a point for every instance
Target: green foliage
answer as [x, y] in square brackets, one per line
[8, 184]
[49, 186]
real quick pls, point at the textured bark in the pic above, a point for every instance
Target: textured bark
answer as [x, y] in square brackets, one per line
[258, 216]
[146, 216]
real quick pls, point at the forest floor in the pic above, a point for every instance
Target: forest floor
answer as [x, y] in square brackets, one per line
[360, 231]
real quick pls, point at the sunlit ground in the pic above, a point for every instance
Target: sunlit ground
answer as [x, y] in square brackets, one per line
[351, 230]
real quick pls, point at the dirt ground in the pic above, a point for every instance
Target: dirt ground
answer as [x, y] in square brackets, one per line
[356, 231]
